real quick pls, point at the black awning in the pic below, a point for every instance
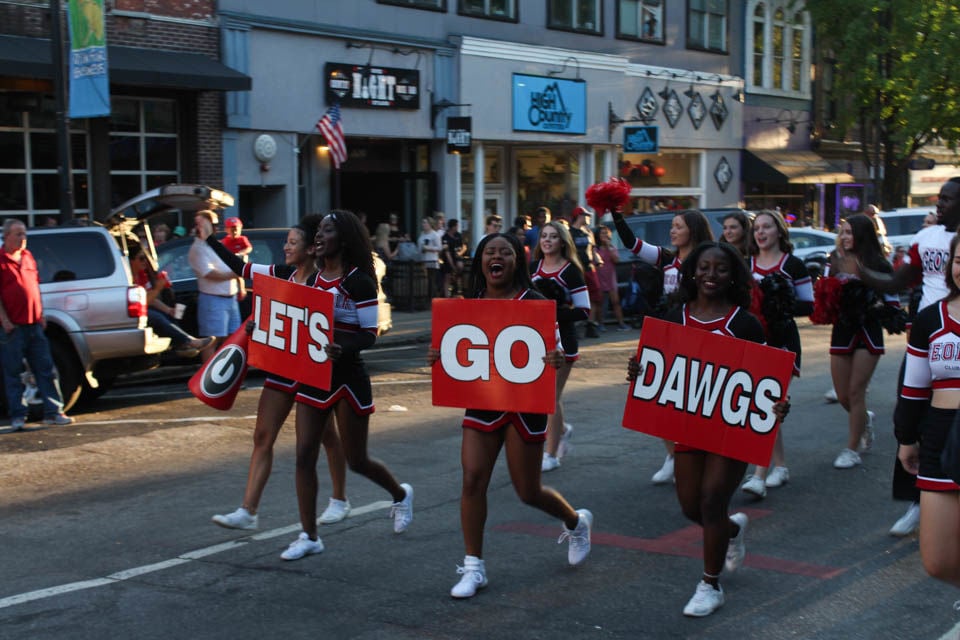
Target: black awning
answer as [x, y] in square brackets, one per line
[789, 167]
[131, 66]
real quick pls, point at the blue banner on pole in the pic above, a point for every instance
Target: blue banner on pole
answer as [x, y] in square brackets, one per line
[89, 73]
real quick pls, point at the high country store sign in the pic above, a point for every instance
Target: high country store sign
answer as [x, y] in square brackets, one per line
[365, 86]
[549, 105]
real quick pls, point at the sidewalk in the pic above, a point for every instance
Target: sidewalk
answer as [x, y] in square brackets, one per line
[409, 327]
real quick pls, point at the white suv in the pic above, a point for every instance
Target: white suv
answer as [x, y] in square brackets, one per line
[902, 224]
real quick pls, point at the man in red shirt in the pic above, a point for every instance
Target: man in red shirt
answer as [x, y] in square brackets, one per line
[239, 245]
[22, 321]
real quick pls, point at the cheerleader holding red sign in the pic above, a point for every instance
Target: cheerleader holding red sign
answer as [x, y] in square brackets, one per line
[499, 273]
[714, 292]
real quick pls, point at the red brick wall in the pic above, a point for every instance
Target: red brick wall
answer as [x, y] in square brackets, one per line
[206, 165]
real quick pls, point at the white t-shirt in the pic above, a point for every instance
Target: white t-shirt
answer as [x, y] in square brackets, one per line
[930, 250]
[430, 246]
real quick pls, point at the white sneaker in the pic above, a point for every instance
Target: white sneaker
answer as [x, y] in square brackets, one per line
[302, 546]
[564, 447]
[474, 578]
[831, 395]
[866, 439]
[755, 486]
[737, 549]
[665, 474]
[336, 511]
[847, 459]
[549, 462]
[908, 523]
[239, 519]
[777, 477]
[579, 538]
[706, 599]
[402, 512]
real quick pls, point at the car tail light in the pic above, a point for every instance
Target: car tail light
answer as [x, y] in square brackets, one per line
[136, 302]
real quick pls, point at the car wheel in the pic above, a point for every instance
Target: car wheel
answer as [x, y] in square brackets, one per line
[68, 373]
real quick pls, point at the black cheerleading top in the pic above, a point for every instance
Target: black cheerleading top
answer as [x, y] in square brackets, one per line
[792, 269]
[738, 323]
[664, 259]
[932, 362]
[577, 306]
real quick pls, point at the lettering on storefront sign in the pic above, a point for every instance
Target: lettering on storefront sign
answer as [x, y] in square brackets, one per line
[459, 136]
[549, 104]
[364, 86]
[640, 139]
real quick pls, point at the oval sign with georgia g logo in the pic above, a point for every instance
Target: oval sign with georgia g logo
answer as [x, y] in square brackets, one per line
[223, 371]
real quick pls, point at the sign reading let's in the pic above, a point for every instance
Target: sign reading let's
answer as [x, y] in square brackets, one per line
[708, 391]
[550, 105]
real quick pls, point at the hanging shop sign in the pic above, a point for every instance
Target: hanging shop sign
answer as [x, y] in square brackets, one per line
[672, 108]
[459, 136]
[640, 139]
[718, 111]
[723, 174]
[549, 105]
[368, 87]
[697, 110]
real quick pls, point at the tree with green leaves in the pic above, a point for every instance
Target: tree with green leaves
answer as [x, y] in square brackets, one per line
[896, 79]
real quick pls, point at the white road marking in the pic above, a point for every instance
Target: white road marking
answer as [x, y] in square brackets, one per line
[164, 420]
[184, 558]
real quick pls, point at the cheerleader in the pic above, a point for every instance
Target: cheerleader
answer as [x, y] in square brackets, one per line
[778, 273]
[346, 270]
[498, 272]
[925, 413]
[279, 394]
[738, 231]
[714, 294]
[856, 342]
[558, 270]
[687, 231]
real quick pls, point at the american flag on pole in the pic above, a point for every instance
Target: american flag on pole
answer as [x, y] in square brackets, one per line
[329, 126]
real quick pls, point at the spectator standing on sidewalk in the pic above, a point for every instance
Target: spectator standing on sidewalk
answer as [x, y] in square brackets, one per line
[430, 246]
[21, 316]
[239, 245]
[218, 313]
[453, 252]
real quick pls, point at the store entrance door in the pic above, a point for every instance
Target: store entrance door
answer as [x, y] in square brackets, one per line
[410, 195]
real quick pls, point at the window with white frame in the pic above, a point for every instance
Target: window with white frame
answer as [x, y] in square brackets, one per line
[29, 179]
[574, 15]
[640, 19]
[778, 48]
[707, 25]
[494, 9]
[144, 147]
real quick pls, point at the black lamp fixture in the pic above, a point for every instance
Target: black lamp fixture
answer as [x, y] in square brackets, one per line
[556, 72]
[788, 118]
[665, 93]
[692, 91]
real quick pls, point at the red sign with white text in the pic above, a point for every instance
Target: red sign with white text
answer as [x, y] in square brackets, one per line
[708, 391]
[294, 324]
[491, 354]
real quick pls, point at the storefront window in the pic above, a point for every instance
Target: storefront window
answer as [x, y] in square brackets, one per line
[144, 148]
[493, 164]
[547, 178]
[662, 182]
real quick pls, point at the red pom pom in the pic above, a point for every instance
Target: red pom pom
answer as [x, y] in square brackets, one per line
[826, 301]
[611, 195]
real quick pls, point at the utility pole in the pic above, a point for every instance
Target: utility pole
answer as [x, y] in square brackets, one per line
[64, 156]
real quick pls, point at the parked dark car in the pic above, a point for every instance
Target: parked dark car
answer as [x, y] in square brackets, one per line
[267, 249]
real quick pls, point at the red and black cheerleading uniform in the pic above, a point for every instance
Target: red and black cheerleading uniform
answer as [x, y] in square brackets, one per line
[532, 427]
[792, 269]
[738, 323]
[848, 336]
[932, 362]
[574, 307]
[664, 259]
[355, 313]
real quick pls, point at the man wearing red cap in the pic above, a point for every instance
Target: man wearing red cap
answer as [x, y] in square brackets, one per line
[239, 245]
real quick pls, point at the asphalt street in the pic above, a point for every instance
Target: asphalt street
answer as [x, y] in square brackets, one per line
[106, 527]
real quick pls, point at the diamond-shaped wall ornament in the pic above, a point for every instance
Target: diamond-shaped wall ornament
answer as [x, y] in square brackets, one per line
[697, 110]
[647, 106]
[723, 174]
[673, 108]
[718, 111]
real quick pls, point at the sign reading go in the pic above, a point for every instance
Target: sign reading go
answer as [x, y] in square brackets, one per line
[491, 354]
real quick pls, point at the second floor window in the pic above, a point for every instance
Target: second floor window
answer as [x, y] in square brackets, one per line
[575, 15]
[707, 25]
[496, 9]
[640, 19]
[778, 49]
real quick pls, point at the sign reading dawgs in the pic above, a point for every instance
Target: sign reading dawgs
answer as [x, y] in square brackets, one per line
[491, 354]
[294, 324]
[708, 391]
